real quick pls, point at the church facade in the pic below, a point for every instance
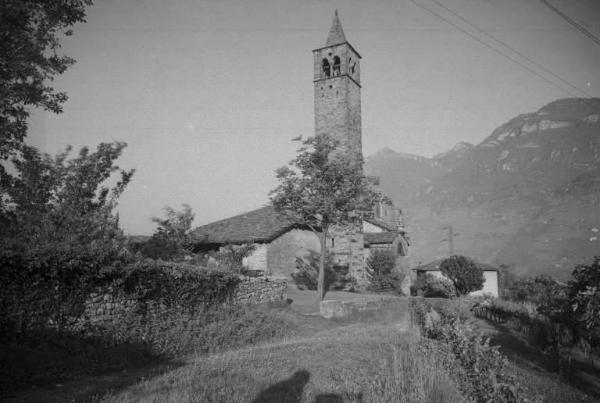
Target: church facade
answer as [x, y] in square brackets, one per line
[279, 242]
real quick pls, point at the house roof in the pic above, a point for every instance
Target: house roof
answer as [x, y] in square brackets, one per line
[261, 225]
[378, 238]
[435, 266]
[380, 223]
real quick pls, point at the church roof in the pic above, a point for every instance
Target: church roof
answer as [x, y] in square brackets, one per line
[336, 33]
[378, 238]
[380, 223]
[261, 225]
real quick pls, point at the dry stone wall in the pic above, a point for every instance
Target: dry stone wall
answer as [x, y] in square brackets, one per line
[108, 306]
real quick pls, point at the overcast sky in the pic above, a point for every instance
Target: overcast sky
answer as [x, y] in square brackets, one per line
[208, 94]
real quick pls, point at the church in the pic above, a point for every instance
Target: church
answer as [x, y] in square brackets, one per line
[278, 240]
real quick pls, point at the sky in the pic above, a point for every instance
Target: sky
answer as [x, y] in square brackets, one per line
[208, 94]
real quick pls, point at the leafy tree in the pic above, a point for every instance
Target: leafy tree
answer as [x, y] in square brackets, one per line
[30, 33]
[59, 230]
[322, 187]
[464, 274]
[172, 235]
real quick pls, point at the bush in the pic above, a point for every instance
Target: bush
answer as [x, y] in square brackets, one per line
[176, 284]
[464, 274]
[380, 268]
[433, 286]
[478, 368]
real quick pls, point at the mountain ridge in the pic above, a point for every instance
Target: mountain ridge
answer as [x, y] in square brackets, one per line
[538, 167]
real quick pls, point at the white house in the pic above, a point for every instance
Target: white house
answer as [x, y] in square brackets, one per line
[490, 275]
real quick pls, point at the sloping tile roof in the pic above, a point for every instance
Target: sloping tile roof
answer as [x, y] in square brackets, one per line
[435, 266]
[374, 238]
[261, 225]
[380, 223]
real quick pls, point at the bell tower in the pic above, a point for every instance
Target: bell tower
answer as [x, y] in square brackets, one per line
[337, 113]
[337, 90]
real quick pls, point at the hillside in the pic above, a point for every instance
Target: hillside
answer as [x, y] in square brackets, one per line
[528, 195]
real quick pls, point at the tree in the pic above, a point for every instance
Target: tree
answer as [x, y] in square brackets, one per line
[380, 266]
[59, 231]
[464, 274]
[30, 31]
[172, 235]
[323, 187]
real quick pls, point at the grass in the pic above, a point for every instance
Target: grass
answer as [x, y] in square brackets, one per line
[349, 363]
[275, 354]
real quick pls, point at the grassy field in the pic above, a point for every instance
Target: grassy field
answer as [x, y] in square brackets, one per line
[376, 357]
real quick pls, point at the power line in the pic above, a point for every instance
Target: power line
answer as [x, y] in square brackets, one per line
[495, 49]
[571, 21]
[512, 49]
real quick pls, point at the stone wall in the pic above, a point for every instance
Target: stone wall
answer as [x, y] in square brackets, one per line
[108, 306]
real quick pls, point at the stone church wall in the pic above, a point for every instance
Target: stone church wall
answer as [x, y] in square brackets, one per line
[283, 251]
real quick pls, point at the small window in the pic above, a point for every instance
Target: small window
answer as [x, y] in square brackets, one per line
[353, 68]
[336, 66]
[333, 242]
[326, 68]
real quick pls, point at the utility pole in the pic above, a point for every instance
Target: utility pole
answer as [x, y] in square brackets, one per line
[450, 239]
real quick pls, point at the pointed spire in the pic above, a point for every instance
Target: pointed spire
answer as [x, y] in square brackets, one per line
[336, 33]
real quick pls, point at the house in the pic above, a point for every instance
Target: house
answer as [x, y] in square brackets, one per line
[278, 240]
[490, 275]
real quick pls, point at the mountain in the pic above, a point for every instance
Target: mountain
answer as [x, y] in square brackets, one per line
[527, 196]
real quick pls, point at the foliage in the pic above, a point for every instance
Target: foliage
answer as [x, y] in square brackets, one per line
[171, 239]
[584, 298]
[437, 287]
[464, 274]
[29, 41]
[324, 186]
[175, 284]
[380, 268]
[59, 233]
[479, 369]
[231, 257]
[307, 272]
[537, 290]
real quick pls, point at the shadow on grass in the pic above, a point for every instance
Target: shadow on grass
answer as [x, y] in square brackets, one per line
[48, 363]
[583, 376]
[291, 389]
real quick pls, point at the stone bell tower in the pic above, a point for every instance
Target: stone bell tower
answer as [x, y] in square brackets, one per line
[337, 90]
[337, 113]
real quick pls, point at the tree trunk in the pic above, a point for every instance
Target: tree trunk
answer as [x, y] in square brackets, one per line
[321, 279]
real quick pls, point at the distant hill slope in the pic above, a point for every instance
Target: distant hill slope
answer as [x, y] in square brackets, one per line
[527, 196]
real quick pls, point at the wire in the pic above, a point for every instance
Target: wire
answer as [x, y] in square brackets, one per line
[571, 21]
[498, 51]
[512, 49]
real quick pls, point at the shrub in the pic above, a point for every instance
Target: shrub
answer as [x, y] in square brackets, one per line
[380, 268]
[478, 368]
[176, 284]
[433, 286]
[464, 274]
